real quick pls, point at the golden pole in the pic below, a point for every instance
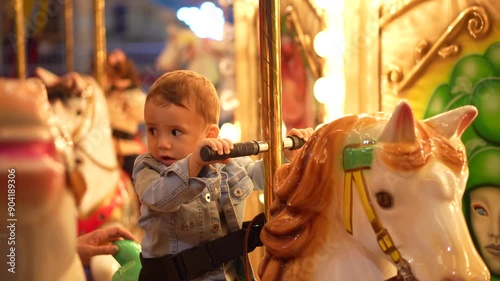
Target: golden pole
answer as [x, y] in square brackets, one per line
[68, 31]
[270, 66]
[100, 42]
[20, 40]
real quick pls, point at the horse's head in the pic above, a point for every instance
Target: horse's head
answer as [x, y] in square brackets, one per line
[372, 196]
[71, 98]
[79, 102]
[414, 187]
[36, 160]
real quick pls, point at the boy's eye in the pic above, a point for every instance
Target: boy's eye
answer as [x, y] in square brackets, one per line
[480, 210]
[176, 132]
[152, 131]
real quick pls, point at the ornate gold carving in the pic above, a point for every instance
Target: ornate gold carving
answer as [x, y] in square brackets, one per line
[475, 18]
[449, 51]
[394, 75]
[422, 48]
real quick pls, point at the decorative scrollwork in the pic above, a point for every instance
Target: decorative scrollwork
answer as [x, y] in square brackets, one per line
[449, 51]
[394, 75]
[477, 23]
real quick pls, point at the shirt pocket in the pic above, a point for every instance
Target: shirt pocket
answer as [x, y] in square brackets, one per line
[188, 216]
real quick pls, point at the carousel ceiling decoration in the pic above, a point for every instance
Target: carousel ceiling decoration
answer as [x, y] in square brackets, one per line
[473, 20]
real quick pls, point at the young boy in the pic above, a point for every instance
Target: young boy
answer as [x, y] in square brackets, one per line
[185, 200]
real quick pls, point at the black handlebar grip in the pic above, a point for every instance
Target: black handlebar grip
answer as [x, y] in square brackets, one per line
[240, 149]
[296, 143]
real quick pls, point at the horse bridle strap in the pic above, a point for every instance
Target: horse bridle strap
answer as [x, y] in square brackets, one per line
[356, 159]
[88, 113]
[87, 122]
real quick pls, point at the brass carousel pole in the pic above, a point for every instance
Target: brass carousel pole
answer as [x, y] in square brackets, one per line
[270, 66]
[68, 31]
[20, 40]
[100, 42]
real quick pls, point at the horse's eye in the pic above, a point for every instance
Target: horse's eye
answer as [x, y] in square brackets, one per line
[78, 112]
[384, 199]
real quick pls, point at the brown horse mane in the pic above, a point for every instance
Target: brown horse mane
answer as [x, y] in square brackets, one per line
[297, 205]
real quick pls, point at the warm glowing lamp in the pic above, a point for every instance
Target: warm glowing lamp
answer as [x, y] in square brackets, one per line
[231, 131]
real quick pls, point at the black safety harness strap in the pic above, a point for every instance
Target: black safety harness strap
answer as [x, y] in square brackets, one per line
[208, 256]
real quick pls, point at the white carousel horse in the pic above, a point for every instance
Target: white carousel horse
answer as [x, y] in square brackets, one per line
[36, 160]
[374, 197]
[109, 198]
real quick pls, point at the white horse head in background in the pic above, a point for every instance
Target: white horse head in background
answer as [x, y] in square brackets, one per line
[37, 161]
[375, 197]
[79, 102]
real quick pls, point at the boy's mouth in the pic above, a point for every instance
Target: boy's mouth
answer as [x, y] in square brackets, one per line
[167, 160]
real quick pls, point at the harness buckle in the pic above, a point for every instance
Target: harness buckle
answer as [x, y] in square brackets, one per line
[404, 271]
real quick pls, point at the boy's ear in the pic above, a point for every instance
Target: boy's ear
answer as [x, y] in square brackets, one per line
[212, 131]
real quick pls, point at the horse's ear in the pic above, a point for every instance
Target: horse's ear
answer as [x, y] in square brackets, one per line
[37, 85]
[454, 122]
[401, 125]
[48, 78]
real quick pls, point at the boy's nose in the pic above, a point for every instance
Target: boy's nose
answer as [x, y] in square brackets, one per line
[164, 143]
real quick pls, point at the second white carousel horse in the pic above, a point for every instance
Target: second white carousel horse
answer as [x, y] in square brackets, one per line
[80, 104]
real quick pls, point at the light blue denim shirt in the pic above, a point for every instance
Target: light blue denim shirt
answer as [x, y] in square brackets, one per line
[179, 212]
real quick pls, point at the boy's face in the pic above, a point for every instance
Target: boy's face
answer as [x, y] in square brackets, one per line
[173, 131]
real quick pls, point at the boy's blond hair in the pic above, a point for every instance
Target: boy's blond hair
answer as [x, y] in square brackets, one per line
[181, 86]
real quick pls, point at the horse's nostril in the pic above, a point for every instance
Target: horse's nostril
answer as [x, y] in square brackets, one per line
[78, 160]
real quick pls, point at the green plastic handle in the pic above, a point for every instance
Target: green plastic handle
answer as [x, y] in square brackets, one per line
[128, 257]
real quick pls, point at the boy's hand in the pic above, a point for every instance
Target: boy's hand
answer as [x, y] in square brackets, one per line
[221, 146]
[301, 133]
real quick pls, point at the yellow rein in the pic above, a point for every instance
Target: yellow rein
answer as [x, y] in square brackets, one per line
[353, 169]
[384, 239]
